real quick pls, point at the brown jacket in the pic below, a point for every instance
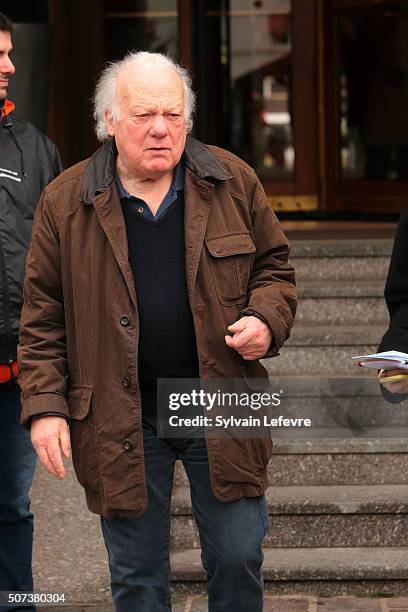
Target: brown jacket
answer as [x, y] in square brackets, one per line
[78, 360]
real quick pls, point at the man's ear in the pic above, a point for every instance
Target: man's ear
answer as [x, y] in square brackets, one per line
[109, 123]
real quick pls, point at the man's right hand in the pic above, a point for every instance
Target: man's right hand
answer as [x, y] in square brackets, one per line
[50, 436]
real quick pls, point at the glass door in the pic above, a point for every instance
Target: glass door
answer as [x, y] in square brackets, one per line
[255, 68]
[140, 25]
[366, 105]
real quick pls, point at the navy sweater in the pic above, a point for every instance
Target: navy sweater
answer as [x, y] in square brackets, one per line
[167, 344]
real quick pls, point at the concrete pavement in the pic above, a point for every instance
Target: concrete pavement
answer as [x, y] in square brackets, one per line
[70, 558]
[279, 604]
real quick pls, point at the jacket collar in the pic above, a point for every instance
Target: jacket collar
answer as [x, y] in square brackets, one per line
[202, 161]
[101, 169]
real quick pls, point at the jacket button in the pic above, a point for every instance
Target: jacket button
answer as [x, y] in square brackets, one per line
[127, 445]
[124, 320]
[126, 382]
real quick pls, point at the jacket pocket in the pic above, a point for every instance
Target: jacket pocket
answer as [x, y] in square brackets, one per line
[230, 262]
[83, 443]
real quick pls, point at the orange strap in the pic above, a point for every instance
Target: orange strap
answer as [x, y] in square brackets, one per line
[8, 371]
[7, 108]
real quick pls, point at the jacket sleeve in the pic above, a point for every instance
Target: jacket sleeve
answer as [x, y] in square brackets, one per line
[272, 291]
[396, 299]
[42, 354]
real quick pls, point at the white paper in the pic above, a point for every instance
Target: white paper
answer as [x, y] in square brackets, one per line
[386, 360]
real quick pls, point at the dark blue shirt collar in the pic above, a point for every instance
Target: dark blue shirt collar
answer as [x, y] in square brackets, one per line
[139, 205]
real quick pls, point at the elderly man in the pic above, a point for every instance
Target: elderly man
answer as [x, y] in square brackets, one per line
[158, 257]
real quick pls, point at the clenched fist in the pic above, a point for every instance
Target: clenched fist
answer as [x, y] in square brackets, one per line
[251, 337]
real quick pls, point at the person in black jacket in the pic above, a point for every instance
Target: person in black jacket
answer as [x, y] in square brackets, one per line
[28, 162]
[396, 297]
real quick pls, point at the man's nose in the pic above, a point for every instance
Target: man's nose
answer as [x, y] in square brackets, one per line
[158, 126]
[7, 66]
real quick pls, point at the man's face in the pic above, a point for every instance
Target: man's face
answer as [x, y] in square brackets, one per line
[150, 134]
[6, 65]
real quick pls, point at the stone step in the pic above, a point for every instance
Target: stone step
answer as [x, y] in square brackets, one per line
[328, 416]
[341, 446]
[316, 500]
[342, 249]
[302, 516]
[338, 469]
[311, 564]
[325, 288]
[325, 348]
[342, 311]
[348, 269]
[337, 408]
[337, 335]
[314, 360]
[313, 530]
[333, 462]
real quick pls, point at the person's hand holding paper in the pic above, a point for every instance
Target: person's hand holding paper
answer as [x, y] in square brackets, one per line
[392, 367]
[398, 380]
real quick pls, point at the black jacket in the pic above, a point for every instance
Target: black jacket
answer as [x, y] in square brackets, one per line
[28, 162]
[396, 291]
[396, 298]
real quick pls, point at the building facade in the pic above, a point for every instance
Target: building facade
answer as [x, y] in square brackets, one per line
[312, 93]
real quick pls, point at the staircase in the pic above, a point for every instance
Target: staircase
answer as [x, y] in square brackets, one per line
[338, 507]
[341, 308]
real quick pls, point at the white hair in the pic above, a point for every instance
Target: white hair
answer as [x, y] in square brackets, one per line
[105, 98]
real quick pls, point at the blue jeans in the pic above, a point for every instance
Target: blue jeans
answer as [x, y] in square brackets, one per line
[231, 535]
[17, 465]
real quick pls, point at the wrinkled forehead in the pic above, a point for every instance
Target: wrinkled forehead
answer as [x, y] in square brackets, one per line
[158, 89]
